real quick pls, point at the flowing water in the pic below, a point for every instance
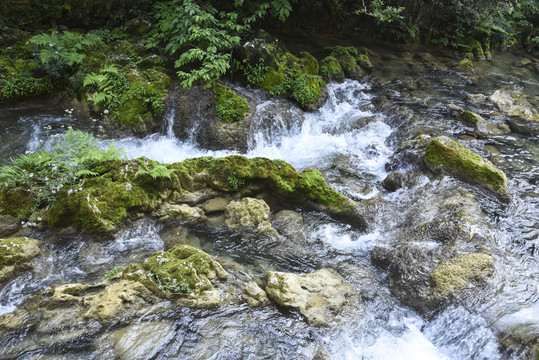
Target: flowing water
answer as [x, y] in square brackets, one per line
[350, 142]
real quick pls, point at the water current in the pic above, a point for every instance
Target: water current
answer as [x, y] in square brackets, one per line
[350, 142]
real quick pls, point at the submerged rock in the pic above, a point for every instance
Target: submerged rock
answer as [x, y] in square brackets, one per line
[445, 155]
[427, 279]
[318, 296]
[524, 117]
[15, 254]
[136, 341]
[455, 274]
[184, 214]
[481, 127]
[254, 295]
[250, 215]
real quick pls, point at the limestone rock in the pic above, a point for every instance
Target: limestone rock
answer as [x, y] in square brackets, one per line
[9, 225]
[254, 295]
[15, 253]
[116, 300]
[136, 341]
[184, 214]
[445, 155]
[481, 127]
[524, 117]
[215, 205]
[318, 296]
[250, 215]
[457, 273]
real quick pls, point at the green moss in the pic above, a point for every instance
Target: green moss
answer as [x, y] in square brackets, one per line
[447, 155]
[142, 101]
[272, 80]
[455, 274]
[364, 61]
[347, 59]
[121, 190]
[465, 65]
[331, 69]
[470, 118]
[183, 268]
[307, 88]
[309, 64]
[230, 106]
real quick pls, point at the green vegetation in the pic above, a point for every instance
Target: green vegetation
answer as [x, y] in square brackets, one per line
[444, 154]
[44, 173]
[455, 274]
[114, 272]
[58, 54]
[230, 107]
[205, 35]
[331, 69]
[112, 190]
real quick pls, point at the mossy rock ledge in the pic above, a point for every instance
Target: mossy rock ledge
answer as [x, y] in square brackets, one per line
[445, 155]
[124, 190]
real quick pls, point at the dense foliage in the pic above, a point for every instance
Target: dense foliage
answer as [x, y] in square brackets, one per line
[205, 34]
[45, 172]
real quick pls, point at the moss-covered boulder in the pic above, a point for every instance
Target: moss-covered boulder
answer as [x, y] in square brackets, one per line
[524, 118]
[282, 73]
[183, 273]
[230, 107]
[124, 190]
[318, 296]
[445, 155]
[466, 66]
[15, 254]
[183, 270]
[482, 128]
[455, 274]
[331, 70]
[354, 64]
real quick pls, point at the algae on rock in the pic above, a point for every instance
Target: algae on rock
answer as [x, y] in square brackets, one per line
[445, 155]
[456, 273]
[15, 253]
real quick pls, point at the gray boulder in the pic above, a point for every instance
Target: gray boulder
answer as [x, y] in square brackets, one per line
[524, 118]
[318, 296]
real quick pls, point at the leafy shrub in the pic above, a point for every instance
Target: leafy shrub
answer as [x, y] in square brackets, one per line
[206, 36]
[46, 172]
[109, 84]
[59, 54]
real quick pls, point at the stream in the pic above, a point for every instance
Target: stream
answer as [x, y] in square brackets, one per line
[349, 140]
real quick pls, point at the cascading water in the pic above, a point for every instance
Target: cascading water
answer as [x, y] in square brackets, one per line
[348, 141]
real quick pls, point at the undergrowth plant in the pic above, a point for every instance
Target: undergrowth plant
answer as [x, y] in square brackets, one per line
[108, 85]
[156, 171]
[46, 172]
[59, 54]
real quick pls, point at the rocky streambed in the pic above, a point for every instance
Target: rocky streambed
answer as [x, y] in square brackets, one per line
[398, 220]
